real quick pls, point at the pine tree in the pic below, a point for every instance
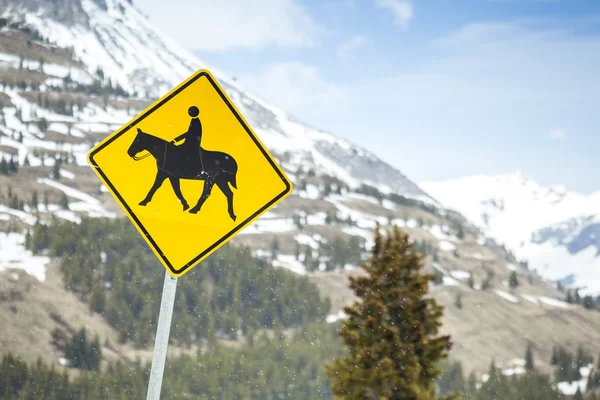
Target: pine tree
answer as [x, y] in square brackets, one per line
[391, 334]
[3, 167]
[460, 232]
[97, 299]
[34, 200]
[94, 355]
[274, 248]
[569, 298]
[64, 201]
[529, 366]
[458, 301]
[513, 280]
[470, 281]
[56, 169]
[554, 359]
[588, 302]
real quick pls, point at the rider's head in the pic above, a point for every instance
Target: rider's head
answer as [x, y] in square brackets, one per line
[193, 111]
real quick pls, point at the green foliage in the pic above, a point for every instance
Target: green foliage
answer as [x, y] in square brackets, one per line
[513, 279]
[460, 231]
[108, 265]
[487, 281]
[371, 191]
[529, 364]
[391, 333]
[271, 368]
[458, 301]
[589, 302]
[582, 358]
[438, 277]
[452, 379]
[529, 386]
[471, 281]
[9, 167]
[56, 169]
[82, 353]
[42, 124]
[341, 252]
[567, 369]
[64, 201]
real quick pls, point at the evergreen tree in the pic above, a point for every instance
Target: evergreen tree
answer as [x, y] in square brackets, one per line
[3, 166]
[97, 299]
[56, 169]
[64, 201]
[588, 302]
[470, 281]
[582, 358]
[577, 297]
[569, 298]
[392, 337]
[458, 301]
[34, 200]
[460, 232]
[274, 248]
[513, 280]
[554, 358]
[529, 365]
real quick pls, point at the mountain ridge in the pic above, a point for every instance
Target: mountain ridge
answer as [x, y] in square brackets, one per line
[543, 225]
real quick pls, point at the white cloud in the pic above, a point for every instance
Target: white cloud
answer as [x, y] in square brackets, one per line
[350, 45]
[557, 133]
[295, 87]
[402, 10]
[479, 95]
[214, 25]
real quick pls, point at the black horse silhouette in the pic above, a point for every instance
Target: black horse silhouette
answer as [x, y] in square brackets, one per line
[215, 168]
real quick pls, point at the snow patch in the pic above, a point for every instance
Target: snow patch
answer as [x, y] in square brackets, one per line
[336, 317]
[506, 296]
[444, 245]
[459, 274]
[14, 255]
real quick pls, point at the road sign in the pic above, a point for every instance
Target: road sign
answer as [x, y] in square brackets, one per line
[189, 172]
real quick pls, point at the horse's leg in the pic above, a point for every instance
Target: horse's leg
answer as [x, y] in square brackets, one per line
[177, 190]
[160, 178]
[223, 184]
[208, 184]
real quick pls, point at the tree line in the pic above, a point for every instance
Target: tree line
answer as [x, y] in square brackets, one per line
[110, 267]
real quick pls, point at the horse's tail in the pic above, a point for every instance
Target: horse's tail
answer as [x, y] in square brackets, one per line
[233, 180]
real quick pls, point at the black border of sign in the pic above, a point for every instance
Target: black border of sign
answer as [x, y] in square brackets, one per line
[191, 263]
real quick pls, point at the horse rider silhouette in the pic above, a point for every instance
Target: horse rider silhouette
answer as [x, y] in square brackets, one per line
[192, 152]
[187, 161]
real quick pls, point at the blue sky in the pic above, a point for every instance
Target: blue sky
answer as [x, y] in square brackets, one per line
[438, 88]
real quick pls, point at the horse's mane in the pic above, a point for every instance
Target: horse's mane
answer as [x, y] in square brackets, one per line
[153, 136]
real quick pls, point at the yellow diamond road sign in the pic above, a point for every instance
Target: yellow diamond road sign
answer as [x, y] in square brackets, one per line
[189, 172]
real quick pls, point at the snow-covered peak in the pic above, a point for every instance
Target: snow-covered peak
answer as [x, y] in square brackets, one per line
[556, 230]
[114, 40]
[510, 207]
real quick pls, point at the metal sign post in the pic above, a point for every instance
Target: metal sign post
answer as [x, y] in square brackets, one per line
[162, 337]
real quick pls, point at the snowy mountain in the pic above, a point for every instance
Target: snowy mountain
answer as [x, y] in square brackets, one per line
[553, 229]
[112, 36]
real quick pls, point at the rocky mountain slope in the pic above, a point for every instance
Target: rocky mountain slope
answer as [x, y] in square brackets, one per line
[552, 229]
[72, 71]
